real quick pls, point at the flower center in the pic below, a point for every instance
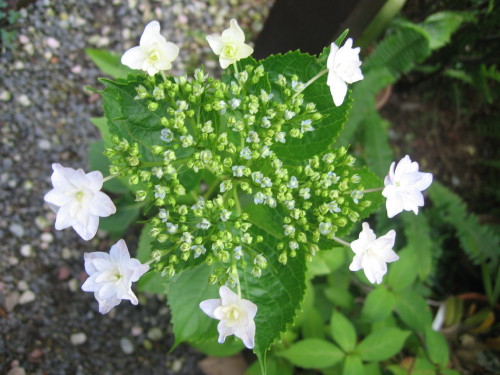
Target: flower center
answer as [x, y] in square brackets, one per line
[153, 56]
[233, 313]
[229, 50]
[79, 196]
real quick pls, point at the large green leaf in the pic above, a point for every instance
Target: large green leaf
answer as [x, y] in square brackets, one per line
[313, 354]
[413, 310]
[403, 273]
[378, 305]
[327, 130]
[184, 294]
[353, 365]
[109, 63]
[418, 236]
[436, 347]
[378, 152]
[440, 26]
[277, 293]
[382, 344]
[343, 331]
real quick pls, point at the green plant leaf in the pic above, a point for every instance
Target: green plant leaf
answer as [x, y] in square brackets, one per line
[382, 344]
[326, 261]
[440, 26]
[278, 292]
[184, 294]
[98, 162]
[403, 273]
[212, 348]
[274, 366]
[102, 124]
[413, 310]
[326, 131]
[418, 235]
[378, 152]
[109, 63]
[436, 347]
[343, 331]
[378, 305]
[127, 212]
[313, 354]
[151, 281]
[353, 365]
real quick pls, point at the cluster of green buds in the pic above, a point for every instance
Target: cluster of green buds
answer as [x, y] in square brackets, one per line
[214, 154]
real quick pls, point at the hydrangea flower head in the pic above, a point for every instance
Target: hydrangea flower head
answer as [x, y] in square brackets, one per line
[343, 67]
[153, 54]
[372, 253]
[235, 314]
[111, 276]
[230, 45]
[403, 187]
[78, 200]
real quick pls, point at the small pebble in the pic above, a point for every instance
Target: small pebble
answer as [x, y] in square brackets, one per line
[27, 297]
[155, 334]
[47, 237]
[177, 364]
[16, 229]
[66, 253]
[11, 300]
[26, 250]
[24, 100]
[17, 371]
[126, 345]
[136, 331]
[22, 285]
[52, 42]
[5, 96]
[44, 144]
[78, 338]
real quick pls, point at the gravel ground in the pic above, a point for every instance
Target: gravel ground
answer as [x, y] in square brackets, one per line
[47, 324]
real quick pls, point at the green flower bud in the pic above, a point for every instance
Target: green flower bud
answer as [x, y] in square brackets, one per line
[140, 195]
[152, 106]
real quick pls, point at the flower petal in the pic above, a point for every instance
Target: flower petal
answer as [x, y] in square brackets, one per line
[119, 253]
[234, 33]
[215, 43]
[151, 34]
[134, 58]
[338, 89]
[106, 305]
[86, 227]
[102, 205]
[208, 306]
[228, 297]
[247, 334]
[91, 258]
[244, 51]
[63, 218]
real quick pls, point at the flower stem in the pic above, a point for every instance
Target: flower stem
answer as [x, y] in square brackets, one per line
[342, 242]
[163, 75]
[323, 72]
[237, 201]
[235, 66]
[372, 190]
[110, 177]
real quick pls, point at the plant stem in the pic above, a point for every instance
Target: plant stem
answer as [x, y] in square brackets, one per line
[110, 177]
[342, 242]
[323, 72]
[237, 201]
[235, 68]
[372, 190]
[163, 75]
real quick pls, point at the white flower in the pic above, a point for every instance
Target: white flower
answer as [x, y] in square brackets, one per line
[79, 200]
[235, 314]
[403, 186]
[372, 253]
[230, 46]
[153, 54]
[111, 276]
[343, 68]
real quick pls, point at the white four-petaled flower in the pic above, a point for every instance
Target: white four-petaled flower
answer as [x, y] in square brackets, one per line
[343, 67]
[372, 253]
[403, 187]
[235, 314]
[78, 200]
[153, 54]
[111, 276]
[230, 45]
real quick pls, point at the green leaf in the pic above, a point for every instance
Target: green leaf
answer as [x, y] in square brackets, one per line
[102, 124]
[419, 241]
[353, 365]
[98, 162]
[382, 344]
[151, 281]
[184, 294]
[109, 63]
[403, 273]
[378, 305]
[313, 354]
[278, 292]
[274, 366]
[436, 347]
[378, 152]
[127, 212]
[343, 331]
[372, 369]
[441, 26]
[413, 310]
[326, 261]
[212, 348]
[326, 131]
